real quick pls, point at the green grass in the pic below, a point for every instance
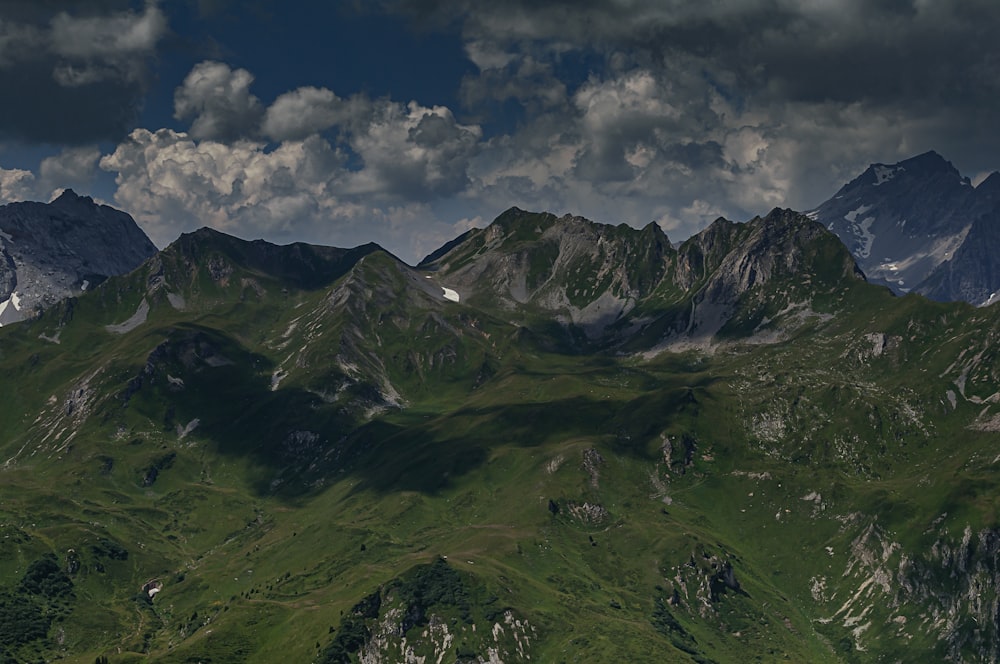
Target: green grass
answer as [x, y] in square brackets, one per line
[691, 507]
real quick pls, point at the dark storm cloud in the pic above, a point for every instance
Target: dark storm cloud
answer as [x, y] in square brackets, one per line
[889, 50]
[742, 103]
[44, 111]
[74, 71]
[40, 11]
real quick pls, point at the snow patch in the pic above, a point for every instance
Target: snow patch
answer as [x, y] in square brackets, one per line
[152, 587]
[884, 173]
[852, 216]
[182, 433]
[6, 236]
[276, 378]
[84, 285]
[862, 229]
[449, 294]
[813, 214]
[10, 310]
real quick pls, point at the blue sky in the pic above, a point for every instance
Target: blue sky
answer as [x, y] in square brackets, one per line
[406, 122]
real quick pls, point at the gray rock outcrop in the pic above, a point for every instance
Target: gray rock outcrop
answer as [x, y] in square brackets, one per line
[49, 251]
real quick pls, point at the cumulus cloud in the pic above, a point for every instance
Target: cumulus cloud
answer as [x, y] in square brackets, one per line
[405, 151]
[72, 168]
[297, 191]
[174, 183]
[96, 48]
[218, 101]
[299, 113]
[335, 170]
[16, 185]
[79, 68]
[504, 76]
[413, 152]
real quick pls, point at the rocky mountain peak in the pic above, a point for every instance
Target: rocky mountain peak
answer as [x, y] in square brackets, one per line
[69, 199]
[608, 283]
[925, 169]
[736, 257]
[586, 274]
[928, 163]
[900, 221]
[989, 189]
[49, 251]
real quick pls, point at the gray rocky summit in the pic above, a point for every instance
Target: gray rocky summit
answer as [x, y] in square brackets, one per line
[920, 226]
[49, 251]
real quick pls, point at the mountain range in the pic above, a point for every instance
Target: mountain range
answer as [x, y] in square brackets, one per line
[552, 440]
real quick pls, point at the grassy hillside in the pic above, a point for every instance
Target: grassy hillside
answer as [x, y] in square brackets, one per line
[248, 453]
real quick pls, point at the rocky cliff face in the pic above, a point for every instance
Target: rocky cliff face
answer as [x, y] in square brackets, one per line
[588, 274]
[725, 267]
[49, 251]
[921, 226]
[609, 285]
[972, 274]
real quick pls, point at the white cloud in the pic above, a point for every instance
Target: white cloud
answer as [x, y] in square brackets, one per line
[87, 49]
[218, 100]
[173, 183]
[298, 191]
[486, 54]
[390, 162]
[611, 103]
[73, 167]
[517, 76]
[98, 48]
[117, 36]
[413, 151]
[16, 185]
[304, 111]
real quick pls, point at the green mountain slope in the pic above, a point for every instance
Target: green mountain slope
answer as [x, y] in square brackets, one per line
[609, 449]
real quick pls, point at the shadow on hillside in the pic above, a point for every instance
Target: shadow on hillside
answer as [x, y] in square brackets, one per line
[429, 456]
[295, 443]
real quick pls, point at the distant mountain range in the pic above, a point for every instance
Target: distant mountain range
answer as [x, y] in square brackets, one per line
[49, 251]
[920, 226]
[916, 226]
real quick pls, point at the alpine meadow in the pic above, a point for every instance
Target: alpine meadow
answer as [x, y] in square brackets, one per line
[552, 440]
